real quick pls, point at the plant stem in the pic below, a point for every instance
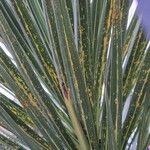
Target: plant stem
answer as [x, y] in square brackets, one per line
[84, 145]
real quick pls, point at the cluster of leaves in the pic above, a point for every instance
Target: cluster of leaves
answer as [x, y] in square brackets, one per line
[81, 75]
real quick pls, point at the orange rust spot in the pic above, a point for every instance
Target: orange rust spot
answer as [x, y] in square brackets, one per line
[25, 104]
[89, 92]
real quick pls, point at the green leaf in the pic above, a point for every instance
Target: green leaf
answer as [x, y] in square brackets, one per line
[80, 74]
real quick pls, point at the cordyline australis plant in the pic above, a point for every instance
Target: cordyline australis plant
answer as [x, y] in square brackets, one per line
[81, 75]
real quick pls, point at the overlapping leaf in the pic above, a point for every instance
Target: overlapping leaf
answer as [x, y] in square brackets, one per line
[73, 65]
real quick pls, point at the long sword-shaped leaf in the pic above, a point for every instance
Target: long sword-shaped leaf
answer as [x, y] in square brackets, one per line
[137, 98]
